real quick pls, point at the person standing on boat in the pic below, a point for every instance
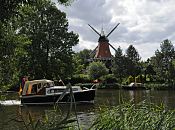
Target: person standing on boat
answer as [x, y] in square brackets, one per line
[24, 79]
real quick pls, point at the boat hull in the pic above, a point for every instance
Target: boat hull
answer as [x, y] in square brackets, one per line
[83, 96]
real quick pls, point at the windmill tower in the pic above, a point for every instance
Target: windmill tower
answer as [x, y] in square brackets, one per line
[102, 51]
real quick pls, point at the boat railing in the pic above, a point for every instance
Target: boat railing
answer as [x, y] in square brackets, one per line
[68, 88]
[85, 88]
[93, 86]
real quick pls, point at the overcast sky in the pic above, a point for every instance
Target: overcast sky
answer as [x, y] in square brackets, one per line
[143, 23]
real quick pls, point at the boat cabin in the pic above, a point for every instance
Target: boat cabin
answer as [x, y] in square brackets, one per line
[37, 87]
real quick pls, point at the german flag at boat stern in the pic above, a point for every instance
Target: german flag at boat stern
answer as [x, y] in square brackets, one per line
[20, 89]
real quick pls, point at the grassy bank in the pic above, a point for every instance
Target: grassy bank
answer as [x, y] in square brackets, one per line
[127, 116]
[159, 86]
[153, 86]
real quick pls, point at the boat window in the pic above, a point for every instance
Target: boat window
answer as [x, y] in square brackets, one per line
[34, 89]
[45, 85]
[48, 85]
[74, 89]
[51, 84]
[52, 91]
[39, 85]
[59, 90]
[55, 91]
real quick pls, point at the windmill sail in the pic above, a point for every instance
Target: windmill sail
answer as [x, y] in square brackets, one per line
[112, 30]
[94, 30]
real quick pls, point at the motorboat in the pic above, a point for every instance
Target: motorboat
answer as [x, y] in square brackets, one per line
[45, 92]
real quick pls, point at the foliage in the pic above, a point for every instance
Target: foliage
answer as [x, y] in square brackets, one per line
[12, 48]
[158, 86]
[132, 54]
[109, 85]
[65, 2]
[129, 116]
[9, 8]
[139, 79]
[130, 79]
[19, 45]
[150, 70]
[80, 60]
[119, 65]
[163, 61]
[97, 70]
[133, 59]
[110, 78]
[80, 78]
[50, 53]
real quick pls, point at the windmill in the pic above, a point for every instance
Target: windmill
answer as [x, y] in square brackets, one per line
[102, 51]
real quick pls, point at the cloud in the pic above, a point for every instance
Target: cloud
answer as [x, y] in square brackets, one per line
[143, 23]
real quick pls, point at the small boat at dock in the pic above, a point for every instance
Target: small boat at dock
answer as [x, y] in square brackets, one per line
[134, 86]
[44, 91]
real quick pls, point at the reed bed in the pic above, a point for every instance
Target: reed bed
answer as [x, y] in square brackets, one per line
[129, 116]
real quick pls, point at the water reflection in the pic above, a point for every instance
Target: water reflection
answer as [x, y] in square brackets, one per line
[139, 95]
[86, 112]
[115, 97]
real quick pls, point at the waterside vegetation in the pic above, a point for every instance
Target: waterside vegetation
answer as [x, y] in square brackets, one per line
[129, 116]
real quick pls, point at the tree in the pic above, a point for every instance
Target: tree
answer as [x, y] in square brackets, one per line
[80, 60]
[149, 71]
[11, 49]
[9, 8]
[162, 61]
[119, 65]
[133, 58]
[132, 54]
[97, 70]
[14, 46]
[50, 53]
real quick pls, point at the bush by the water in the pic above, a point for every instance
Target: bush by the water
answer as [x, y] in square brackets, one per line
[86, 85]
[158, 86]
[109, 85]
[110, 78]
[129, 116]
[80, 78]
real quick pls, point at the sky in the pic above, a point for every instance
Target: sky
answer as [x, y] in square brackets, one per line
[143, 23]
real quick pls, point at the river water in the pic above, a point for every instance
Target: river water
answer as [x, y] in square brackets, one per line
[86, 112]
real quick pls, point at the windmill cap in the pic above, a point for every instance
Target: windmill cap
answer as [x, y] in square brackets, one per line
[103, 39]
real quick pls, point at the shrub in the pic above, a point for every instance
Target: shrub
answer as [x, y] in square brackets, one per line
[130, 79]
[110, 78]
[139, 79]
[97, 70]
[80, 78]
[158, 86]
[109, 85]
